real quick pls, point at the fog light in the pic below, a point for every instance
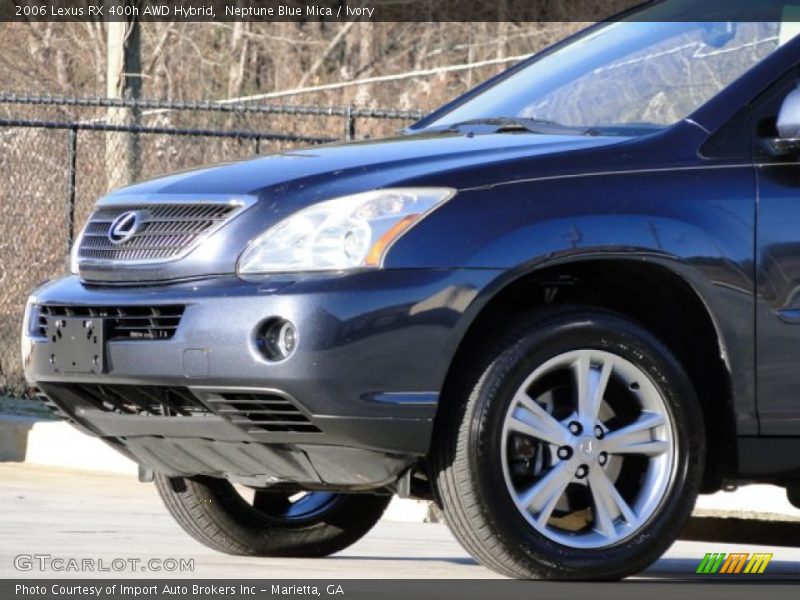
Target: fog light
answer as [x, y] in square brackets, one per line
[277, 339]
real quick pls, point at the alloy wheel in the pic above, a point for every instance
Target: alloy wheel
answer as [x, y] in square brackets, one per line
[588, 449]
[291, 507]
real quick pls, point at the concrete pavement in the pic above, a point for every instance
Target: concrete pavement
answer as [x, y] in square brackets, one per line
[105, 516]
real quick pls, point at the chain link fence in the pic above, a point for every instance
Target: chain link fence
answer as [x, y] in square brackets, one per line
[59, 154]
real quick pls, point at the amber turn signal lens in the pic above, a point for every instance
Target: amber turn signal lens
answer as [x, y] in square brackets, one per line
[376, 252]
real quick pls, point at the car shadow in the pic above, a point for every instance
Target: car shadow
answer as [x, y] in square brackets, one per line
[737, 530]
[454, 560]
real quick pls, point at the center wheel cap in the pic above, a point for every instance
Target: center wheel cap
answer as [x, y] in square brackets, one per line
[587, 448]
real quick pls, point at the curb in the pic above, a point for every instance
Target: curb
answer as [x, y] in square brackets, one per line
[14, 433]
[57, 444]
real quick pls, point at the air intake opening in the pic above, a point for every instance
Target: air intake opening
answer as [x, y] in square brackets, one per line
[126, 322]
[261, 411]
[162, 401]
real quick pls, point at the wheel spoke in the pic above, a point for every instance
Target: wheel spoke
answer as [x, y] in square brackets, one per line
[603, 519]
[608, 502]
[651, 448]
[528, 418]
[636, 438]
[590, 382]
[541, 499]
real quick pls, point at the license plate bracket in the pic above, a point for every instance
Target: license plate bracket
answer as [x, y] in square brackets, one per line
[76, 344]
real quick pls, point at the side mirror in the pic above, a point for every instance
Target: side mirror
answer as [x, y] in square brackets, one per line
[788, 126]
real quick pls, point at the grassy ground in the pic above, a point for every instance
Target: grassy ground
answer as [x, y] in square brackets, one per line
[24, 407]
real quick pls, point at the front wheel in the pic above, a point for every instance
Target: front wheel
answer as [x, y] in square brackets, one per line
[571, 448]
[268, 523]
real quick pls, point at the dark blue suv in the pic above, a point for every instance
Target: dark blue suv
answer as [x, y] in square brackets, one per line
[560, 306]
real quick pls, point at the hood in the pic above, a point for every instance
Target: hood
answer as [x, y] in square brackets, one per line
[272, 187]
[407, 159]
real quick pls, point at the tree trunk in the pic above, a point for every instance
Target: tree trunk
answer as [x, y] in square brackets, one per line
[240, 48]
[123, 80]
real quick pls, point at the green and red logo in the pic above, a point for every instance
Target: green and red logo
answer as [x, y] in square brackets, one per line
[735, 563]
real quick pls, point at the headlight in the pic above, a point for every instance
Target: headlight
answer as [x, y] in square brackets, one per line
[344, 233]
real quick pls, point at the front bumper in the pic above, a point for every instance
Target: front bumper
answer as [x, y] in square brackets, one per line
[372, 353]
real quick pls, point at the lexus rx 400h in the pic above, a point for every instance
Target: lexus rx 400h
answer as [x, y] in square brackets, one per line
[560, 306]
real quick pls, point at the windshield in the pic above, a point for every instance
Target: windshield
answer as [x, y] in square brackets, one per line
[627, 78]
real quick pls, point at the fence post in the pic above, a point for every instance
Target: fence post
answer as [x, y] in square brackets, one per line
[349, 124]
[72, 157]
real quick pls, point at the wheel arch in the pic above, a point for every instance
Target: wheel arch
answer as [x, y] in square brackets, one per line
[630, 287]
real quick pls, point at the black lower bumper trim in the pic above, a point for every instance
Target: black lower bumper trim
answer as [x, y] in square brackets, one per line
[176, 431]
[256, 464]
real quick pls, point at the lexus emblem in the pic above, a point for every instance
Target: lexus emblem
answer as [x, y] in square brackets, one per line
[587, 448]
[125, 226]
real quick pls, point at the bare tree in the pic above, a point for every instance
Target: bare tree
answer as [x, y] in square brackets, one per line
[123, 80]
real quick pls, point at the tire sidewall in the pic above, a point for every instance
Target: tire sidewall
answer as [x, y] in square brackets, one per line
[496, 390]
[214, 513]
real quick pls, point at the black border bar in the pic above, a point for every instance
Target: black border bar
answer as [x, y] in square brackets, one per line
[265, 11]
[708, 587]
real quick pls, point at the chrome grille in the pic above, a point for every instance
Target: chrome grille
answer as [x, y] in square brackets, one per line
[166, 232]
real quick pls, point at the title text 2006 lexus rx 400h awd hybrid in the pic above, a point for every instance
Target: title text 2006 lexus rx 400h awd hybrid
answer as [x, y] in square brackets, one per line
[561, 306]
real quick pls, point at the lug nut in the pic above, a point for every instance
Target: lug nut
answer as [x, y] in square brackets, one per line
[582, 472]
[598, 432]
[602, 459]
[564, 452]
[575, 428]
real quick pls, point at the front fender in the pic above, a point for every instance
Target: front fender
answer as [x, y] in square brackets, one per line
[696, 223]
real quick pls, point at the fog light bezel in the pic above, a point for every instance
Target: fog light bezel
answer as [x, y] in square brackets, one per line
[270, 339]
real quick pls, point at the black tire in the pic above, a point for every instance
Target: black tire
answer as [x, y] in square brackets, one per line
[471, 489]
[216, 515]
